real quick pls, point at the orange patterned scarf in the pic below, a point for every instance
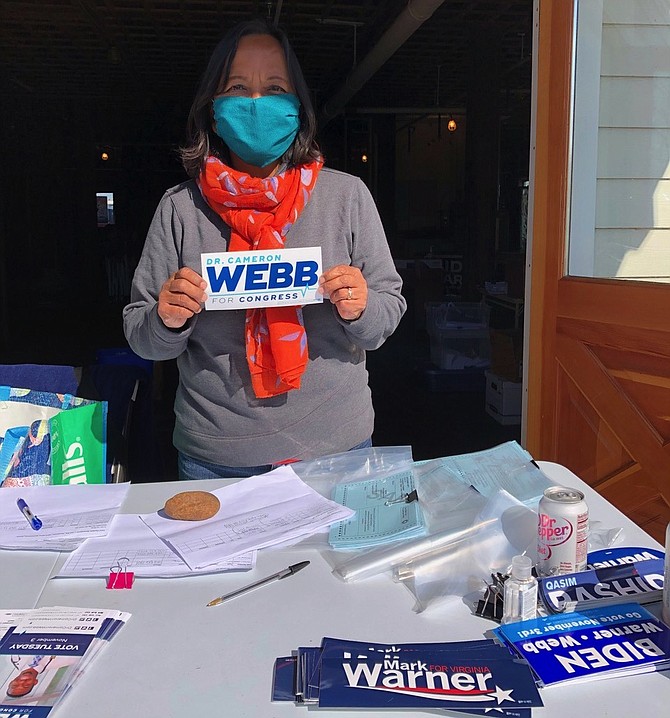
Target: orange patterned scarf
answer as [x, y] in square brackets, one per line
[260, 211]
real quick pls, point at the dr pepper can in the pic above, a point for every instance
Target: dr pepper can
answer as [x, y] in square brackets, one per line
[563, 531]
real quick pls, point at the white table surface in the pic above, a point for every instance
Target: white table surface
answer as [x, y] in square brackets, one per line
[176, 658]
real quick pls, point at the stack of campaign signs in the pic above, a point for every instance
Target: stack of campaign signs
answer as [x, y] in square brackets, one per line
[469, 677]
[624, 639]
[619, 575]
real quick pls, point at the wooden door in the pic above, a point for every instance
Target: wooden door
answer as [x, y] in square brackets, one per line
[597, 350]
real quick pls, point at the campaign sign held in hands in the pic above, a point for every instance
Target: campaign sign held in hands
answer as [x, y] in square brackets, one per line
[265, 278]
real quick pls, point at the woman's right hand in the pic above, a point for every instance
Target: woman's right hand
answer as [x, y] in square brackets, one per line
[181, 297]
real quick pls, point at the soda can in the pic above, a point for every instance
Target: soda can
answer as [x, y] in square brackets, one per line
[563, 531]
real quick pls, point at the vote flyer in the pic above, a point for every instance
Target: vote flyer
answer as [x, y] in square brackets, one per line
[44, 651]
[264, 278]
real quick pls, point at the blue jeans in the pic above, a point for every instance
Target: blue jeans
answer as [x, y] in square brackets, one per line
[191, 469]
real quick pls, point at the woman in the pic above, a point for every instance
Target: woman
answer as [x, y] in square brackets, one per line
[263, 387]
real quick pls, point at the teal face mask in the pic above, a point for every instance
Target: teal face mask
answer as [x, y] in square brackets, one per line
[258, 130]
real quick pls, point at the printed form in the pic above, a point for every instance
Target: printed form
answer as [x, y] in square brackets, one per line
[382, 512]
[507, 466]
[69, 514]
[130, 539]
[255, 513]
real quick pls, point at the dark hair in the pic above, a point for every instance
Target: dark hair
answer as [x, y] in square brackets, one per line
[203, 141]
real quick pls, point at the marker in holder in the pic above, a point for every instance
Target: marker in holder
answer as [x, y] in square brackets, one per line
[30, 516]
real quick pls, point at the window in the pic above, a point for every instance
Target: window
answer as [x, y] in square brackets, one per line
[105, 203]
[620, 180]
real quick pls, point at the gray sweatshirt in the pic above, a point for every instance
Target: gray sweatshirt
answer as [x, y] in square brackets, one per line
[218, 418]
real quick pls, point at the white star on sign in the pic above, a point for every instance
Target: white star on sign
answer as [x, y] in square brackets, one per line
[502, 695]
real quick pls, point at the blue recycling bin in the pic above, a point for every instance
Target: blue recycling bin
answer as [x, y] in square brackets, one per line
[123, 355]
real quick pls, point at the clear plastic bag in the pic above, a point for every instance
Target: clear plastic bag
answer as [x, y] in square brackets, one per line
[450, 508]
[503, 528]
[601, 537]
[374, 461]
[325, 473]
[468, 536]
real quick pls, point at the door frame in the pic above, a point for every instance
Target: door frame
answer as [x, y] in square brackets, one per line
[547, 222]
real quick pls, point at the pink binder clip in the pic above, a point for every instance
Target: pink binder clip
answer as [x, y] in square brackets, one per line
[119, 576]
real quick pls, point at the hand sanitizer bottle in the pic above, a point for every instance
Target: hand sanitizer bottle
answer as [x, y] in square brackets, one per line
[520, 596]
[666, 580]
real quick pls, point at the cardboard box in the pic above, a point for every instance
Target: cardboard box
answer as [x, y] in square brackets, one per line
[507, 353]
[503, 398]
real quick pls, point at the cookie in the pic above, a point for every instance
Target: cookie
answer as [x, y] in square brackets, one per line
[192, 506]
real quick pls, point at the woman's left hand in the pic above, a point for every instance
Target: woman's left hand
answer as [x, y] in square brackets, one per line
[347, 289]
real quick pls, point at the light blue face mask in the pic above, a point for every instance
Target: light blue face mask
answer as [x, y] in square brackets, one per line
[258, 130]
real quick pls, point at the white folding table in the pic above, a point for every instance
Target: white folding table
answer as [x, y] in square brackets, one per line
[176, 658]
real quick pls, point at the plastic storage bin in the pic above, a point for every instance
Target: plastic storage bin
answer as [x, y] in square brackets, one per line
[441, 316]
[460, 348]
[459, 335]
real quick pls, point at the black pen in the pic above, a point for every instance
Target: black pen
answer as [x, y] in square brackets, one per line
[275, 577]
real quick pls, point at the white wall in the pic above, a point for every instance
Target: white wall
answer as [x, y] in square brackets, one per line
[620, 206]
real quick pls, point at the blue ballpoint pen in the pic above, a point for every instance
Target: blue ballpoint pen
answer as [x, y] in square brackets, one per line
[25, 510]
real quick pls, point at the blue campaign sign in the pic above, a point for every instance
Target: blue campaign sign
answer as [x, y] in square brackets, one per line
[640, 581]
[265, 278]
[587, 644]
[459, 676]
[621, 555]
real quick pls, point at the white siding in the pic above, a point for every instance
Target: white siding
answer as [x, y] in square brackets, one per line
[635, 51]
[636, 153]
[630, 237]
[637, 12]
[635, 101]
[633, 204]
[633, 253]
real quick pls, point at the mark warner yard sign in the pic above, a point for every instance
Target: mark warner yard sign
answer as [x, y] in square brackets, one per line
[268, 278]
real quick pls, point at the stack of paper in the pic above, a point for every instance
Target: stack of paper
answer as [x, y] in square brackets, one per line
[258, 512]
[44, 651]
[131, 543]
[69, 514]
[598, 643]
[474, 677]
[307, 669]
[383, 513]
